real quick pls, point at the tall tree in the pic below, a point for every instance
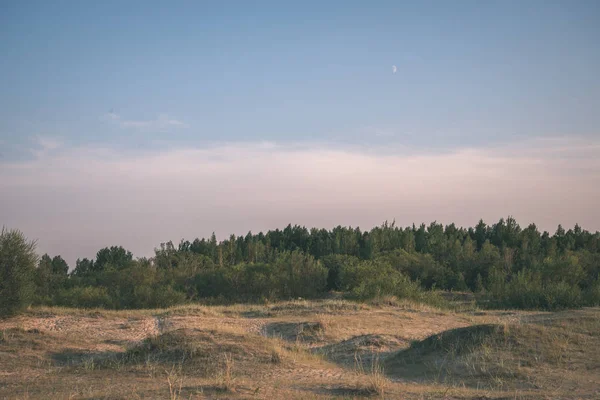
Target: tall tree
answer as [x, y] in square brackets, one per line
[115, 256]
[18, 260]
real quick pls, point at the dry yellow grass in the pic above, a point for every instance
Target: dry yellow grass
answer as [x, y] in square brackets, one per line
[299, 350]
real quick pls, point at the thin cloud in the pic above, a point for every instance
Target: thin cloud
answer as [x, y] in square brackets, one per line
[161, 123]
[77, 200]
[394, 69]
[48, 142]
[44, 145]
[378, 132]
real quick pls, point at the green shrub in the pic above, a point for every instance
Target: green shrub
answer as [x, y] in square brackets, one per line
[17, 267]
[290, 275]
[85, 297]
[527, 290]
[372, 279]
[300, 275]
[213, 283]
[419, 267]
[165, 296]
[591, 295]
[334, 264]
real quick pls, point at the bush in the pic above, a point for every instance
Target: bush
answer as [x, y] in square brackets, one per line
[17, 266]
[300, 275]
[257, 282]
[291, 275]
[334, 264]
[395, 284]
[561, 295]
[85, 297]
[373, 279]
[420, 267]
[527, 290]
[165, 296]
[591, 295]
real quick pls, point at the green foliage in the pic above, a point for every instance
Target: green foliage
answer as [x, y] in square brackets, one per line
[506, 265]
[375, 279]
[291, 275]
[528, 290]
[591, 295]
[49, 277]
[370, 279]
[300, 275]
[85, 297]
[17, 266]
[420, 267]
[334, 264]
[114, 257]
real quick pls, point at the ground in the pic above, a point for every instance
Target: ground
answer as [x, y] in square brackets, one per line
[300, 350]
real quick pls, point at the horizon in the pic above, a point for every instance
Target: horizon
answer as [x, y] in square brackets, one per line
[139, 123]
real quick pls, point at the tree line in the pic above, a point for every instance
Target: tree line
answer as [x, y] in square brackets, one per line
[508, 266]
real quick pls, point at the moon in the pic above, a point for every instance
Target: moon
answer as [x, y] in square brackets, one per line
[394, 69]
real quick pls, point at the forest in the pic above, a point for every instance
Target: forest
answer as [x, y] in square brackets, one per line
[506, 266]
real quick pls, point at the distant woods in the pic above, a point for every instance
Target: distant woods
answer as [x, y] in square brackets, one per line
[508, 266]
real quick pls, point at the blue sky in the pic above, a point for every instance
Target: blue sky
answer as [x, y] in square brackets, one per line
[144, 81]
[469, 72]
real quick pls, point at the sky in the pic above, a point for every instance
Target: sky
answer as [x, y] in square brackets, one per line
[134, 123]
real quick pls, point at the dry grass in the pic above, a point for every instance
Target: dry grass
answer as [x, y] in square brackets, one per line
[512, 357]
[373, 379]
[225, 375]
[300, 350]
[175, 381]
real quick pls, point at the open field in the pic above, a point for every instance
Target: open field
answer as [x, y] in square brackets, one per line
[300, 350]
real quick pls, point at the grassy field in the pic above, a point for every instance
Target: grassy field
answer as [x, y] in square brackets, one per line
[301, 350]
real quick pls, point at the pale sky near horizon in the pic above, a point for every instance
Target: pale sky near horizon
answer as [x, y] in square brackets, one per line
[134, 123]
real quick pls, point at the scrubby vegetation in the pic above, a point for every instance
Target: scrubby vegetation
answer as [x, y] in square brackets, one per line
[503, 356]
[300, 349]
[505, 265]
[17, 270]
